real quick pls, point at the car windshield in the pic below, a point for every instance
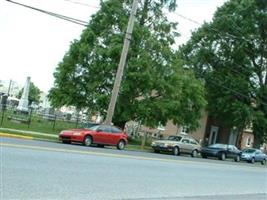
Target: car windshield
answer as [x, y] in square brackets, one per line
[89, 125]
[174, 138]
[224, 146]
[249, 150]
[94, 128]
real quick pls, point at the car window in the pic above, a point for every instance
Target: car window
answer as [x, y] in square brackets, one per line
[235, 148]
[89, 125]
[192, 141]
[258, 152]
[230, 147]
[185, 140]
[174, 138]
[218, 146]
[101, 128]
[249, 150]
[115, 130]
[94, 128]
[106, 129]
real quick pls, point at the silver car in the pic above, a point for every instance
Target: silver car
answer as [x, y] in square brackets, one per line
[177, 144]
[253, 155]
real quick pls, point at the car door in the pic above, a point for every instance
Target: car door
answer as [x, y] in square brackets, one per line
[185, 145]
[194, 145]
[100, 135]
[115, 135]
[232, 151]
[106, 135]
[258, 156]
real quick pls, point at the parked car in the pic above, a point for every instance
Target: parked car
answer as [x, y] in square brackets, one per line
[221, 151]
[100, 134]
[253, 155]
[177, 144]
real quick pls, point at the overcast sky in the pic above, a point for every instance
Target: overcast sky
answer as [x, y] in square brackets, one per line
[32, 43]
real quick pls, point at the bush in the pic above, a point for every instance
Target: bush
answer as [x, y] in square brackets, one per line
[138, 141]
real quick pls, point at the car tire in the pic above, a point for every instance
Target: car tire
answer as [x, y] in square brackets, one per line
[222, 156]
[176, 151]
[237, 158]
[252, 160]
[194, 153]
[88, 140]
[203, 155]
[263, 162]
[121, 145]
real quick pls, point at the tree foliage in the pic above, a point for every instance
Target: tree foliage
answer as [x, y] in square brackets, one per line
[154, 87]
[34, 94]
[230, 53]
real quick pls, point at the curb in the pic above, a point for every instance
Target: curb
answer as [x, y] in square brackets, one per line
[15, 136]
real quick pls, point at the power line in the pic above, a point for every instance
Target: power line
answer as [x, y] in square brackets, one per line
[63, 17]
[82, 4]
[231, 35]
[84, 23]
[214, 29]
[235, 91]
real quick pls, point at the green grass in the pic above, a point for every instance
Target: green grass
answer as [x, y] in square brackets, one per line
[37, 124]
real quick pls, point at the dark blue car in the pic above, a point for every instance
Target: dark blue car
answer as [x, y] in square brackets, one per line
[253, 155]
[221, 151]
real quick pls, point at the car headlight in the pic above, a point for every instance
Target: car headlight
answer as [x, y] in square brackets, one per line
[153, 143]
[76, 133]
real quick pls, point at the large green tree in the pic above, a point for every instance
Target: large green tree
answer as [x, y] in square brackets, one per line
[154, 87]
[34, 94]
[230, 53]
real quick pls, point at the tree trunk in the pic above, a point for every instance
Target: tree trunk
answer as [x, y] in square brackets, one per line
[120, 124]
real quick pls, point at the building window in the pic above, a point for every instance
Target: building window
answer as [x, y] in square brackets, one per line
[248, 142]
[184, 130]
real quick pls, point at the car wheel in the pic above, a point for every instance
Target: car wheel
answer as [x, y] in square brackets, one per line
[88, 141]
[252, 160]
[237, 158]
[203, 155]
[222, 156]
[121, 145]
[194, 153]
[176, 151]
[263, 162]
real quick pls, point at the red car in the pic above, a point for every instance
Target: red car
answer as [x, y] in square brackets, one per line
[99, 134]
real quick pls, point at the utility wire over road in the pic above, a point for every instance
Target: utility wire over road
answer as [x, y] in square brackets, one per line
[63, 17]
[84, 23]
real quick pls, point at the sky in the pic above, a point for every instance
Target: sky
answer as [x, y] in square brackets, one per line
[33, 43]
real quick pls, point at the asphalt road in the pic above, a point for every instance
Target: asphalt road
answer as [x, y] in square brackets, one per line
[43, 170]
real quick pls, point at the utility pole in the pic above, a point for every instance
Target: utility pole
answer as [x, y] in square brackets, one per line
[9, 87]
[117, 83]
